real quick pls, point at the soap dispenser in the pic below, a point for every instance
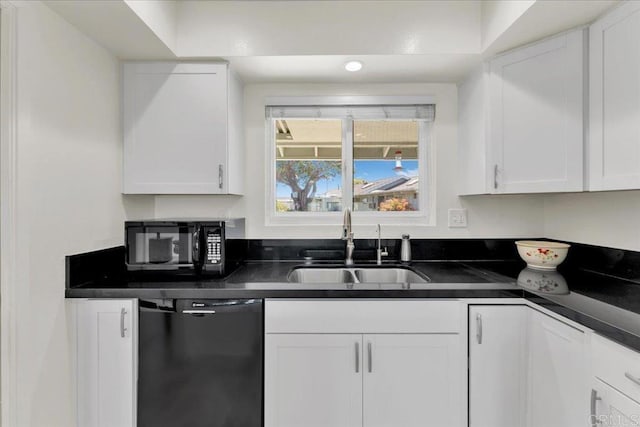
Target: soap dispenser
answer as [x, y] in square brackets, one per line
[405, 249]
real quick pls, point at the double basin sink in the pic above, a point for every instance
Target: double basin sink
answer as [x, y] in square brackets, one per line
[355, 275]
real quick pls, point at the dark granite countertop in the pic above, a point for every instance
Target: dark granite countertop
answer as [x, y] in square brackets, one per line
[269, 280]
[607, 304]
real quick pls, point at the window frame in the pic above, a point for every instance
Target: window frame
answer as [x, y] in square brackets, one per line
[426, 166]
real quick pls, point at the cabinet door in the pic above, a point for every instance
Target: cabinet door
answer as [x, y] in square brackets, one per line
[413, 380]
[313, 380]
[536, 116]
[175, 128]
[557, 374]
[497, 366]
[609, 407]
[475, 170]
[106, 332]
[614, 100]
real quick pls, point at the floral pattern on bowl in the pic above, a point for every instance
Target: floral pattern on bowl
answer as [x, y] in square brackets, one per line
[542, 254]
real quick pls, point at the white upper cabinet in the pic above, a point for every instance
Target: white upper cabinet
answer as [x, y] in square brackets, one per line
[182, 131]
[474, 163]
[536, 116]
[521, 120]
[614, 103]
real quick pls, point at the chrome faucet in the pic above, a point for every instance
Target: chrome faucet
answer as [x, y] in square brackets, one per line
[347, 235]
[380, 253]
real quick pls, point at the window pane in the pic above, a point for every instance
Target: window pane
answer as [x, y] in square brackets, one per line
[385, 165]
[308, 165]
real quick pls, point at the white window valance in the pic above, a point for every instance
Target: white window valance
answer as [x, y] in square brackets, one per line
[425, 112]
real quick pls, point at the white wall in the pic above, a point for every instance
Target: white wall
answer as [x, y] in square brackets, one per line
[489, 216]
[68, 195]
[610, 218]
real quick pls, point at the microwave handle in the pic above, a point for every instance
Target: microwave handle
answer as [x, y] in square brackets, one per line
[195, 249]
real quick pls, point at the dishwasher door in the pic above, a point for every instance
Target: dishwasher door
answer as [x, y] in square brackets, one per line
[200, 363]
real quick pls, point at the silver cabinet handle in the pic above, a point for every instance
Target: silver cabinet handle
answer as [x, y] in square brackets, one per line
[357, 357]
[495, 177]
[594, 416]
[123, 312]
[479, 328]
[633, 379]
[369, 357]
[220, 174]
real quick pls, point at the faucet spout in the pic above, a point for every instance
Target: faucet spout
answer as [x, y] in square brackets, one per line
[346, 224]
[379, 252]
[347, 234]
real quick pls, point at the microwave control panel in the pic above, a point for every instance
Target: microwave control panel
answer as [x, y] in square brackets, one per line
[214, 246]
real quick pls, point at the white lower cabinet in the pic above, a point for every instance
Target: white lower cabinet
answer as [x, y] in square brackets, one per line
[497, 365]
[412, 380]
[615, 393]
[611, 408]
[313, 380]
[320, 376]
[557, 373]
[526, 369]
[105, 346]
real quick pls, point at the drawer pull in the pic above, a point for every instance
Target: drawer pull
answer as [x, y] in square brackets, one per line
[123, 329]
[633, 379]
[594, 400]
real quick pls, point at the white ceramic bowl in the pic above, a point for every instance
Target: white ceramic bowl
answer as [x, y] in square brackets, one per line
[542, 255]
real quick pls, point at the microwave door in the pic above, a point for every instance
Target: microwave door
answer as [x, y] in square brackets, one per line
[199, 249]
[161, 247]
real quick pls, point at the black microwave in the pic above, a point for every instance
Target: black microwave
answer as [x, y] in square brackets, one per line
[184, 246]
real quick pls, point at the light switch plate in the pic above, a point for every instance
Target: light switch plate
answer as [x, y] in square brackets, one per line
[457, 218]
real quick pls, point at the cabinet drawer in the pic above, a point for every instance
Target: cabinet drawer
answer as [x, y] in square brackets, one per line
[362, 316]
[617, 366]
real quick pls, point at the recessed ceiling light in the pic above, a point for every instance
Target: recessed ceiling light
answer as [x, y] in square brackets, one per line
[353, 66]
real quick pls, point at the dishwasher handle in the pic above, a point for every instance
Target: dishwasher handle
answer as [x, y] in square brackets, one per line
[201, 306]
[215, 306]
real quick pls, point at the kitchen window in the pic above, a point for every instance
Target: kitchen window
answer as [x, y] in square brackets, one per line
[373, 159]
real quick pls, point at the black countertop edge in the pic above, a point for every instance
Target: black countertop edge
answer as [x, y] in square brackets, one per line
[230, 293]
[600, 327]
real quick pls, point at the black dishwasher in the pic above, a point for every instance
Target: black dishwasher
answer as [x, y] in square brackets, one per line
[200, 363]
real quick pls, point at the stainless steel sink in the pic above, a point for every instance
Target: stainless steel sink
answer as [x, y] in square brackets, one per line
[321, 275]
[355, 275]
[388, 275]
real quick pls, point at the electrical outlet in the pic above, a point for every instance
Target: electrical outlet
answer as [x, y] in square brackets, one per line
[457, 218]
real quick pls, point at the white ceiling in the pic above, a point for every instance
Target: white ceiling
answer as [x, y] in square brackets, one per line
[270, 28]
[376, 69]
[310, 40]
